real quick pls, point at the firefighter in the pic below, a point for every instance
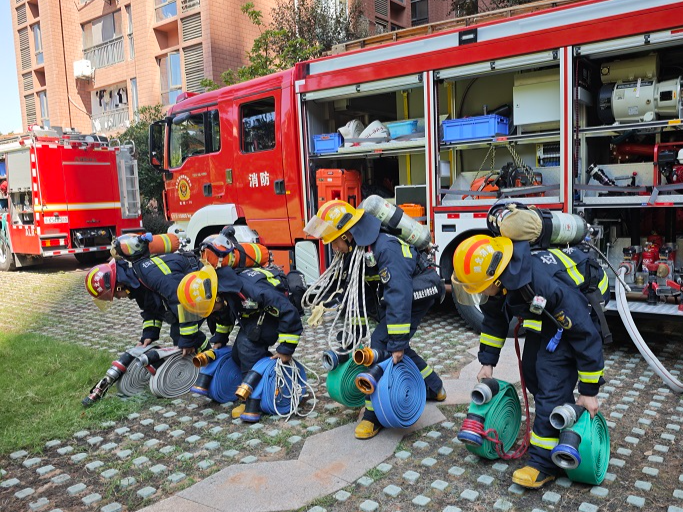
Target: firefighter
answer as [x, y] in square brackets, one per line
[563, 342]
[256, 298]
[405, 286]
[162, 274]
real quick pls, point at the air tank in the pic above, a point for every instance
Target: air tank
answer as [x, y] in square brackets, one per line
[393, 218]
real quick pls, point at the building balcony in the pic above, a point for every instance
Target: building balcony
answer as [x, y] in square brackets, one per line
[105, 54]
[112, 120]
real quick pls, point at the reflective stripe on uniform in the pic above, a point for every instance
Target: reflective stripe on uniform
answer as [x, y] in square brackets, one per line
[427, 371]
[269, 275]
[368, 406]
[569, 265]
[189, 330]
[398, 328]
[158, 323]
[162, 265]
[534, 325]
[288, 338]
[604, 283]
[223, 329]
[147, 324]
[491, 341]
[591, 377]
[547, 443]
[372, 278]
[204, 345]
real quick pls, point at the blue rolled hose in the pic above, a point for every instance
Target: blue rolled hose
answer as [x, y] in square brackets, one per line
[265, 390]
[226, 378]
[400, 396]
[210, 370]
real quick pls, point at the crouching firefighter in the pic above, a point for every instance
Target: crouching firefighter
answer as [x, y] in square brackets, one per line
[162, 274]
[256, 298]
[563, 343]
[402, 282]
[116, 279]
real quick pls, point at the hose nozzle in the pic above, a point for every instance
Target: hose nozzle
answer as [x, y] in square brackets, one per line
[484, 391]
[565, 416]
[566, 454]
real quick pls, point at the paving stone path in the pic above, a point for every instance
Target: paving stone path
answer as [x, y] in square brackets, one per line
[189, 453]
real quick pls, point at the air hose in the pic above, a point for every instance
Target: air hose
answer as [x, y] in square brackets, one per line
[175, 376]
[493, 419]
[584, 447]
[397, 392]
[341, 384]
[219, 375]
[650, 358]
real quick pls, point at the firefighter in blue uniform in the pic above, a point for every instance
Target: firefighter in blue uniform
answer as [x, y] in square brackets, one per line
[547, 289]
[255, 298]
[403, 283]
[161, 274]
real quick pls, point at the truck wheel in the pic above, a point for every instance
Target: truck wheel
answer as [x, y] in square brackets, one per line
[92, 258]
[6, 257]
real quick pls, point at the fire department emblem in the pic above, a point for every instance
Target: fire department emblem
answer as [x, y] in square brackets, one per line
[183, 188]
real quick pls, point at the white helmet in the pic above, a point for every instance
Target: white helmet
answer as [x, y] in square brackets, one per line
[352, 129]
[680, 156]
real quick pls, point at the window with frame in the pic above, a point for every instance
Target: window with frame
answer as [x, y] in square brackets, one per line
[102, 30]
[419, 12]
[196, 134]
[258, 125]
[171, 78]
[44, 113]
[38, 43]
[165, 9]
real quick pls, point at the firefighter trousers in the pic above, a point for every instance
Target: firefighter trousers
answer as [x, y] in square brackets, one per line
[246, 353]
[551, 377]
[380, 338]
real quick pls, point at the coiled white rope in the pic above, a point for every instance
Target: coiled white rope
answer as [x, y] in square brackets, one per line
[175, 377]
[134, 381]
[292, 388]
[324, 289]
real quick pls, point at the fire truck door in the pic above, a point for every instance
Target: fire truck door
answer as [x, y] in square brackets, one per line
[258, 174]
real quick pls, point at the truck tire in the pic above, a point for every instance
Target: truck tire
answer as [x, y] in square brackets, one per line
[6, 257]
[92, 258]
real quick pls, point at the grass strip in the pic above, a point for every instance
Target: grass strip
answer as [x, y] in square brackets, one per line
[42, 383]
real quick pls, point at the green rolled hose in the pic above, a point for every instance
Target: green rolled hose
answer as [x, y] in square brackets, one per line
[341, 384]
[593, 450]
[502, 413]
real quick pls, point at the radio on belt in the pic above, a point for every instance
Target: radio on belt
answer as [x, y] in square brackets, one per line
[537, 305]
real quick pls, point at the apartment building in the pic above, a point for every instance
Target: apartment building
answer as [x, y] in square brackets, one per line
[90, 64]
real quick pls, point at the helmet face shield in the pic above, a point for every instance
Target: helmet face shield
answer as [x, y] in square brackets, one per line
[319, 228]
[464, 297]
[218, 244]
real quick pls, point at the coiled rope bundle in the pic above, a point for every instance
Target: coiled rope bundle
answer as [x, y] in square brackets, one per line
[175, 376]
[341, 384]
[399, 395]
[282, 387]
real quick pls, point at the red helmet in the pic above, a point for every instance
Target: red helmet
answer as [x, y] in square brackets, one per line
[101, 281]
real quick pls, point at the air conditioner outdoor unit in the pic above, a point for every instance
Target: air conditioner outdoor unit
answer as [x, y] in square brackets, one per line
[83, 69]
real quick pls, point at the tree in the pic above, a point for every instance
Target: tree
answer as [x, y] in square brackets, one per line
[151, 181]
[301, 30]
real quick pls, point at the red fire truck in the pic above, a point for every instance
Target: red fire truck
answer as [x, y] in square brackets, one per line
[575, 108]
[65, 194]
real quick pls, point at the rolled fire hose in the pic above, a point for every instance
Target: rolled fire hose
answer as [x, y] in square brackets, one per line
[650, 358]
[175, 376]
[501, 412]
[219, 375]
[341, 384]
[398, 392]
[584, 450]
[136, 378]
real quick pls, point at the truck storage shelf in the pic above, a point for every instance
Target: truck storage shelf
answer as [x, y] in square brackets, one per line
[616, 129]
[611, 201]
[375, 150]
[502, 140]
[645, 308]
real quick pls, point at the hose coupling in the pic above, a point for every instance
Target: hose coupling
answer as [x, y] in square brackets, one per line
[149, 358]
[472, 430]
[484, 391]
[367, 356]
[566, 416]
[366, 382]
[331, 359]
[566, 454]
[252, 411]
[204, 358]
[201, 385]
[245, 389]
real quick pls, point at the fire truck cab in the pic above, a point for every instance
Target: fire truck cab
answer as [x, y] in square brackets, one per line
[65, 194]
[575, 107]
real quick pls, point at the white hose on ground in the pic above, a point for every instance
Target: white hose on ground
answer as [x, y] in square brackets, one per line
[650, 358]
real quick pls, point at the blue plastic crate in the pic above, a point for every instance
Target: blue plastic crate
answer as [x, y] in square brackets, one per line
[327, 142]
[469, 128]
[400, 128]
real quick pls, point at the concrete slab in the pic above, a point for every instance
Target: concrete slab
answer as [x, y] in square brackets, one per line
[265, 486]
[178, 504]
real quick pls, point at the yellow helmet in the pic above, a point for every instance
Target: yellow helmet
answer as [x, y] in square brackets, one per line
[197, 293]
[332, 220]
[478, 262]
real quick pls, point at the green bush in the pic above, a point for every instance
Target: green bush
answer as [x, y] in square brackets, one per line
[155, 223]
